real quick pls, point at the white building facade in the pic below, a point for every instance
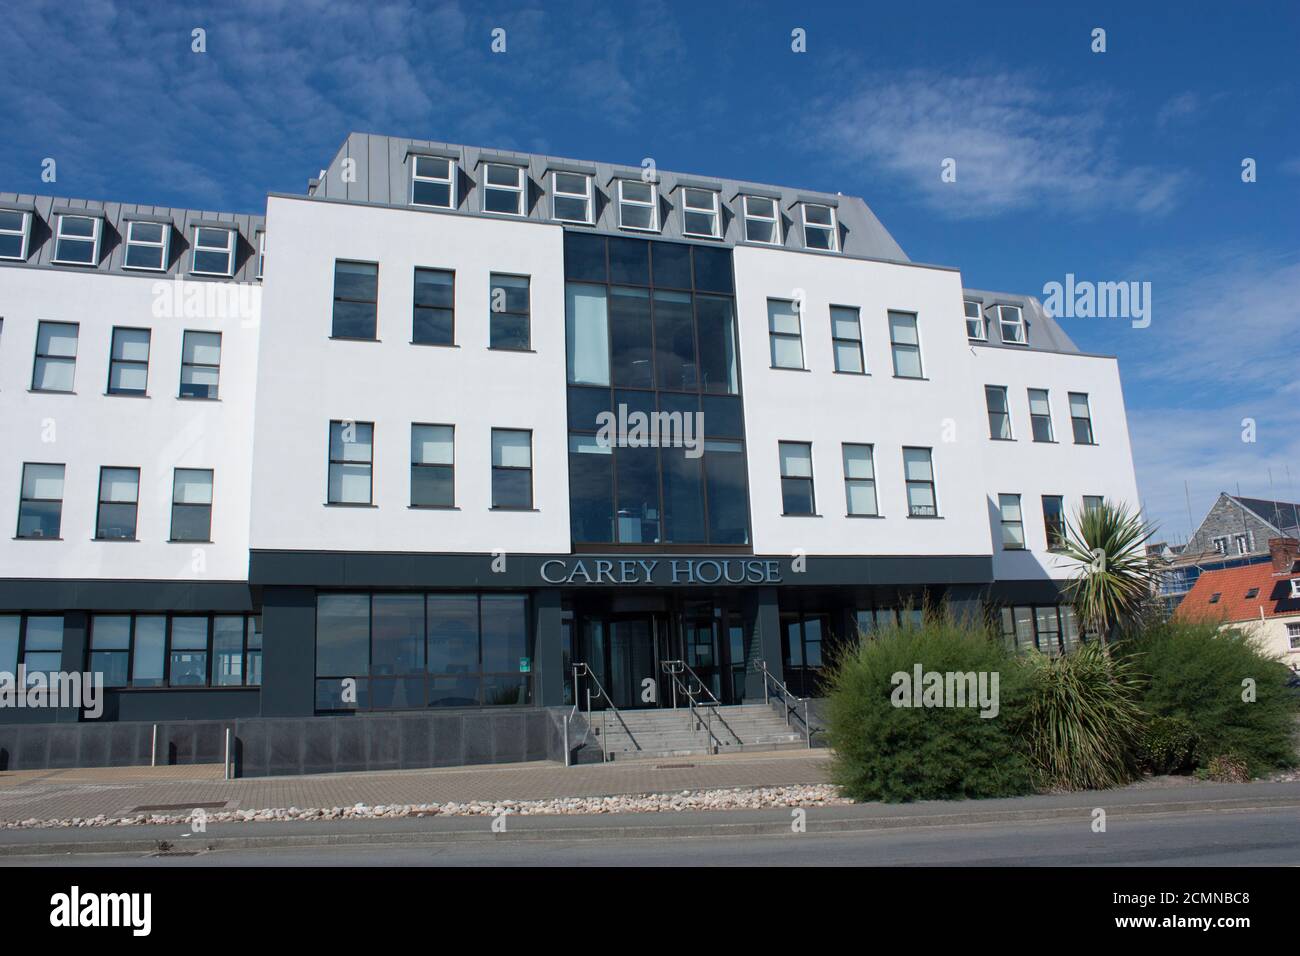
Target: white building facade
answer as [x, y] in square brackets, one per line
[354, 456]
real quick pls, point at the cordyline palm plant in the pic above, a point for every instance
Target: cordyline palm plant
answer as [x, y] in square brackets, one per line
[1113, 574]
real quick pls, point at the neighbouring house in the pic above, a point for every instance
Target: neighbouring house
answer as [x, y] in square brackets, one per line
[1262, 599]
[1233, 533]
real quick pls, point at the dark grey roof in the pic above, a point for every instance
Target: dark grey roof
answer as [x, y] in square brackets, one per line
[1283, 515]
[112, 246]
[1042, 332]
[383, 177]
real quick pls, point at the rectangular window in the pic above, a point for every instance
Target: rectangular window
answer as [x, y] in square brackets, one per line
[918, 472]
[253, 651]
[1040, 414]
[995, 396]
[1081, 418]
[783, 328]
[119, 495]
[1242, 542]
[846, 338]
[905, 342]
[146, 245]
[1293, 636]
[587, 333]
[34, 641]
[433, 321]
[638, 205]
[200, 364]
[433, 182]
[187, 658]
[571, 197]
[762, 221]
[1013, 525]
[1011, 324]
[976, 330]
[149, 653]
[228, 650]
[1221, 544]
[192, 504]
[128, 364]
[860, 480]
[351, 458]
[1054, 521]
[796, 478]
[356, 300]
[433, 466]
[503, 189]
[819, 231]
[56, 357]
[512, 468]
[76, 242]
[508, 318]
[214, 251]
[40, 502]
[261, 254]
[13, 233]
[110, 648]
[700, 213]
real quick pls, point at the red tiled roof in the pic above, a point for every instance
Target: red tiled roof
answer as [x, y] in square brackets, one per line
[1232, 585]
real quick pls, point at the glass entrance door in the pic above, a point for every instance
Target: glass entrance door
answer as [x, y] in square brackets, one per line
[633, 662]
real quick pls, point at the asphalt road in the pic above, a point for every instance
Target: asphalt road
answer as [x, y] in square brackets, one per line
[1219, 838]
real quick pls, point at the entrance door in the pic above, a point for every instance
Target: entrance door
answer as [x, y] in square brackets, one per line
[633, 660]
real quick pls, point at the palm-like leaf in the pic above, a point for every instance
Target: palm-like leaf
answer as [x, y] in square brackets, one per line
[1113, 574]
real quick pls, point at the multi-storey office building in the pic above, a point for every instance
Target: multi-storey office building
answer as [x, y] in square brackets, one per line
[457, 419]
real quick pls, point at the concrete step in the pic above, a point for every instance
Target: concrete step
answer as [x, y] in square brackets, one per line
[669, 732]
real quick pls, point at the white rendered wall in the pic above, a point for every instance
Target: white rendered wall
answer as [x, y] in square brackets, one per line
[88, 429]
[307, 379]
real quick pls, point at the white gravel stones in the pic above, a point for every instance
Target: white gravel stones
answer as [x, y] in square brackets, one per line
[739, 798]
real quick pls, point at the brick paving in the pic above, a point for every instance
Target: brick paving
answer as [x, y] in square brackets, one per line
[117, 791]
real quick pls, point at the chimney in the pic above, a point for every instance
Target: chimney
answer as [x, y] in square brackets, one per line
[1283, 553]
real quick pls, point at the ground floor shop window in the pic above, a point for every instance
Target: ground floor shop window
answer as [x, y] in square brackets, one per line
[1050, 628]
[397, 651]
[33, 640]
[176, 650]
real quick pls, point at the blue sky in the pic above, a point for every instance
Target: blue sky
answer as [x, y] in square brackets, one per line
[1123, 165]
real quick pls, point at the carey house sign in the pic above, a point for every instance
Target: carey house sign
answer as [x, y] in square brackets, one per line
[661, 571]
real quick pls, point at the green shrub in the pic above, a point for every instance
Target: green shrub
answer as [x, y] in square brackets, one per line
[1227, 768]
[1194, 671]
[1167, 745]
[1082, 722]
[885, 752]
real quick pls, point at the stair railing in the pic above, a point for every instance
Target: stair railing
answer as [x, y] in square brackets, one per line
[674, 670]
[580, 670]
[790, 704]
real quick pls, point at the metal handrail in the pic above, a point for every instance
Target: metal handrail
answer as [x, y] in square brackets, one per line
[786, 697]
[712, 742]
[582, 669]
[676, 667]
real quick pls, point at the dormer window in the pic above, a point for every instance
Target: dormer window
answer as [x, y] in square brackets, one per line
[214, 251]
[1011, 324]
[261, 253]
[146, 245]
[819, 227]
[77, 241]
[571, 197]
[638, 205]
[975, 328]
[761, 220]
[1295, 587]
[503, 189]
[433, 182]
[13, 233]
[700, 213]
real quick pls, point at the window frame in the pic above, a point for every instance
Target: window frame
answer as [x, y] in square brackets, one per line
[231, 247]
[851, 482]
[781, 446]
[95, 238]
[715, 212]
[494, 468]
[837, 340]
[1055, 543]
[652, 205]
[24, 231]
[185, 333]
[449, 181]
[261, 253]
[247, 652]
[520, 190]
[832, 230]
[895, 345]
[931, 483]
[100, 502]
[451, 467]
[979, 317]
[1046, 416]
[23, 499]
[415, 306]
[527, 314]
[1001, 390]
[335, 299]
[774, 219]
[331, 461]
[163, 246]
[212, 492]
[1076, 419]
[50, 356]
[113, 362]
[1019, 323]
[1018, 521]
[588, 197]
[773, 335]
